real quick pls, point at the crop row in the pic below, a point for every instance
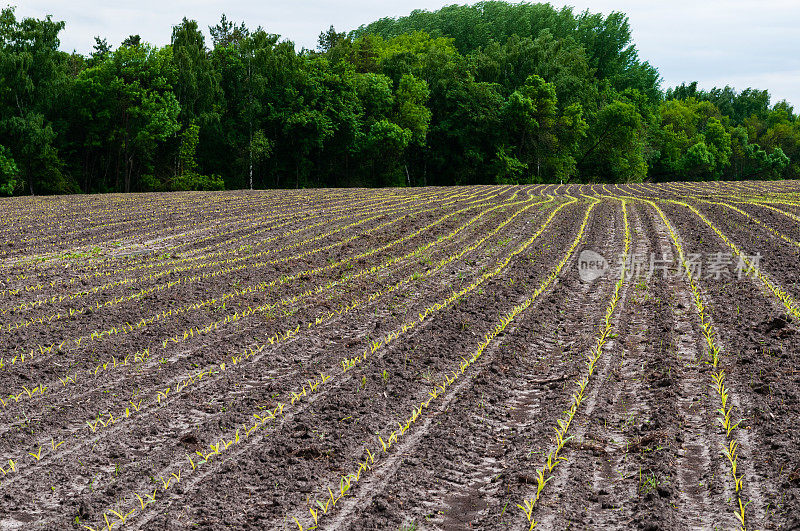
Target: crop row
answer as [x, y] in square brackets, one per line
[192, 210]
[222, 218]
[351, 362]
[757, 221]
[248, 256]
[129, 281]
[781, 294]
[390, 439]
[725, 412]
[223, 225]
[127, 328]
[71, 376]
[108, 419]
[89, 276]
[543, 474]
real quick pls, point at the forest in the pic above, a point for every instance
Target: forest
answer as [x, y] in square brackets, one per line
[493, 92]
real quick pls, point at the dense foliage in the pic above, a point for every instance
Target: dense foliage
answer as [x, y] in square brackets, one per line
[494, 92]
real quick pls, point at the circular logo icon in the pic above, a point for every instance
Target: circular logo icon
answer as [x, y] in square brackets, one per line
[591, 265]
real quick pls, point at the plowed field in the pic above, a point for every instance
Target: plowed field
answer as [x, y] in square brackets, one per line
[558, 357]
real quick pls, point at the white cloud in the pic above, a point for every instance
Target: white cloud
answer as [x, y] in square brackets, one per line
[735, 42]
[717, 42]
[781, 85]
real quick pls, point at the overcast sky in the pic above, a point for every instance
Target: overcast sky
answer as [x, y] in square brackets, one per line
[716, 42]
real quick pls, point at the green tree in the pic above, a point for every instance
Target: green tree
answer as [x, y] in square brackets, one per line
[466, 94]
[189, 178]
[613, 150]
[130, 110]
[328, 40]
[30, 77]
[195, 83]
[692, 141]
[8, 173]
[545, 138]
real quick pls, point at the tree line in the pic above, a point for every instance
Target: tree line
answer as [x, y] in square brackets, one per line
[488, 93]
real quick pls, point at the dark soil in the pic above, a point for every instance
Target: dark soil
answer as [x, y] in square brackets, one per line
[333, 274]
